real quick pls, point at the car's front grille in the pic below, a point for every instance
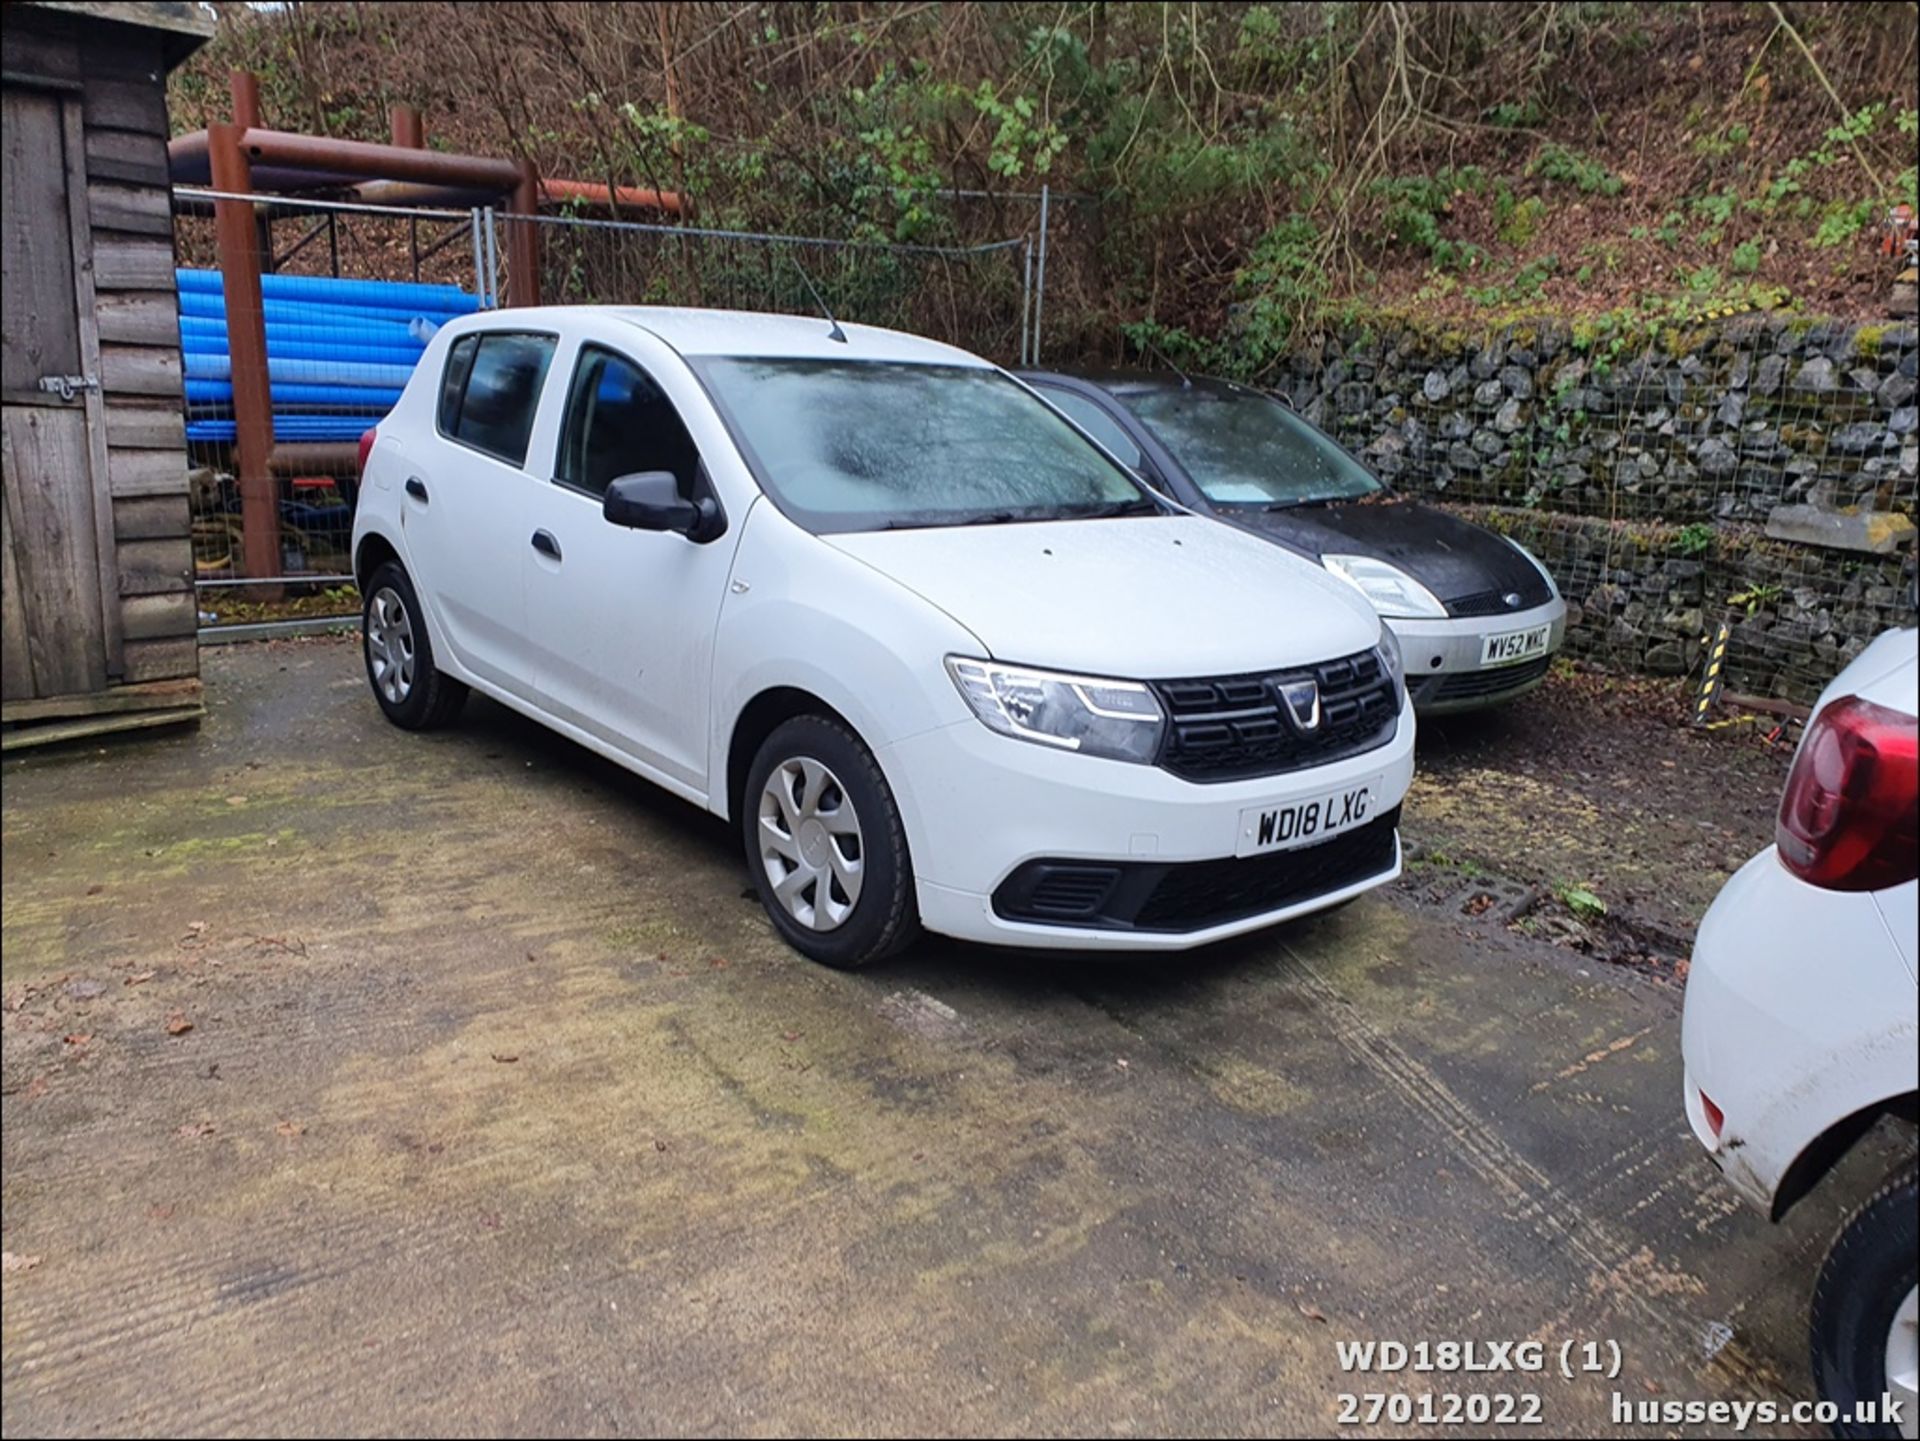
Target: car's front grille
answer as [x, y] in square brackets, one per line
[1495, 602]
[1223, 728]
[1193, 895]
[1480, 684]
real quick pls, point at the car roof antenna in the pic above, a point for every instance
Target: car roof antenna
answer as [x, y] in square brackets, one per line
[834, 331]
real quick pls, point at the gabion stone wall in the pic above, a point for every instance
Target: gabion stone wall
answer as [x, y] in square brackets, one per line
[1644, 472]
[1640, 597]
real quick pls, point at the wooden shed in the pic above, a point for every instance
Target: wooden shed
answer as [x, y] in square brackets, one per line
[98, 610]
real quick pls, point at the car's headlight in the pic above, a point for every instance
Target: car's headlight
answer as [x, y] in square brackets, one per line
[1396, 665]
[1118, 719]
[1534, 561]
[1392, 591]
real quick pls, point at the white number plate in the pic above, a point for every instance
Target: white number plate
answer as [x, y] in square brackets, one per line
[1515, 645]
[1307, 822]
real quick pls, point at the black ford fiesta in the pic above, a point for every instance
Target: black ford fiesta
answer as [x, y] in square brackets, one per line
[1477, 616]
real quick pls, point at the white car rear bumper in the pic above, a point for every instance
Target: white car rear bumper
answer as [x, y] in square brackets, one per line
[1799, 1015]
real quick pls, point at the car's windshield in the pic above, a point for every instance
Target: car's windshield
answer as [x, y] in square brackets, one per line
[1244, 448]
[865, 445]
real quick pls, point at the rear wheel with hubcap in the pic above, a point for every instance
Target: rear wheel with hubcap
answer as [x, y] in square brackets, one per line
[825, 844]
[411, 689]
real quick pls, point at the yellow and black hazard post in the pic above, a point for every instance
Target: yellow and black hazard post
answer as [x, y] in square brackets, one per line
[1714, 676]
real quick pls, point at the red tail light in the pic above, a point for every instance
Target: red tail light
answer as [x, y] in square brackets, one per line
[1847, 821]
[367, 439]
[1716, 1118]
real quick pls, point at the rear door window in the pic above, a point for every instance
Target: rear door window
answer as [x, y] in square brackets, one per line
[491, 392]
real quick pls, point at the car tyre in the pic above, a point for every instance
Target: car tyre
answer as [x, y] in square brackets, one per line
[414, 692]
[1863, 1301]
[826, 846]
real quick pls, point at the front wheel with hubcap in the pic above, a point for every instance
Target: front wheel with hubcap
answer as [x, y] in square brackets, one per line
[411, 689]
[825, 844]
[1866, 1305]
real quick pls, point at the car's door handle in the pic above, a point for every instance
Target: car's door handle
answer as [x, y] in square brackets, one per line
[544, 542]
[417, 488]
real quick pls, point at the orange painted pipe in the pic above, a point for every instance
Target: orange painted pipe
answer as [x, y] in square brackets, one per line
[605, 197]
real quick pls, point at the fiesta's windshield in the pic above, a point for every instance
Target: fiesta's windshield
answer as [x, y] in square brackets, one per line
[864, 445]
[1244, 448]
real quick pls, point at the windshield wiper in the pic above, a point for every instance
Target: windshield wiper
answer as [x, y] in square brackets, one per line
[1138, 505]
[936, 522]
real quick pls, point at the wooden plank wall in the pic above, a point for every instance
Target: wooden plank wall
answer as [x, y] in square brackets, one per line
[121, 75]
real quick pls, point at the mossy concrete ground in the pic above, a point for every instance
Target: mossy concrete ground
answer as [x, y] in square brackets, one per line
[361, 1081]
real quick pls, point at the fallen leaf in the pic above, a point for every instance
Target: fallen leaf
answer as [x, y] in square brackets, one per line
[78, 1039]
[178, 1024]
[1312, 1312]
[11, 1262]
[236, 800]
[95, 890]
[158, 1212]
[194, 1129]
[505, 1059]
[291, 1129]
[659, 1145]
[138, 978]
[36, 1088]
[789, 1035]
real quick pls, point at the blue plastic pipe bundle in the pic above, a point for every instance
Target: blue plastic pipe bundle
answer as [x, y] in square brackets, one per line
[338, 351]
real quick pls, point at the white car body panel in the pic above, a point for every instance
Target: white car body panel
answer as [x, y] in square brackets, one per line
[1800, 1007]
[646, 648]
[1156, 599]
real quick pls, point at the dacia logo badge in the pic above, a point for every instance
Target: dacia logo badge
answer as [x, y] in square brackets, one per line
[1303, 703]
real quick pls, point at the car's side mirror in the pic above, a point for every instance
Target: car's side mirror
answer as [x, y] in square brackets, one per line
[651, 500]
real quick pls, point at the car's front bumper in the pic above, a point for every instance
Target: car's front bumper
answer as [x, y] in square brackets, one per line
[1444, 672]
[1799, 1015]
[978, 806]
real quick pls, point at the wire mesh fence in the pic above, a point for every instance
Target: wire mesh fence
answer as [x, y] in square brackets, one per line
[352, 293]
[1670, 480]
[973, 296]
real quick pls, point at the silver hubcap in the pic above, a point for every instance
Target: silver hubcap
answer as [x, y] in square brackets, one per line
[1903, 1362]
[390, 645]
[810, 843]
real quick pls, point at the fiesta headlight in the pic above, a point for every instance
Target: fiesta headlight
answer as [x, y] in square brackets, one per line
[1393, 592]
[1118, 719]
